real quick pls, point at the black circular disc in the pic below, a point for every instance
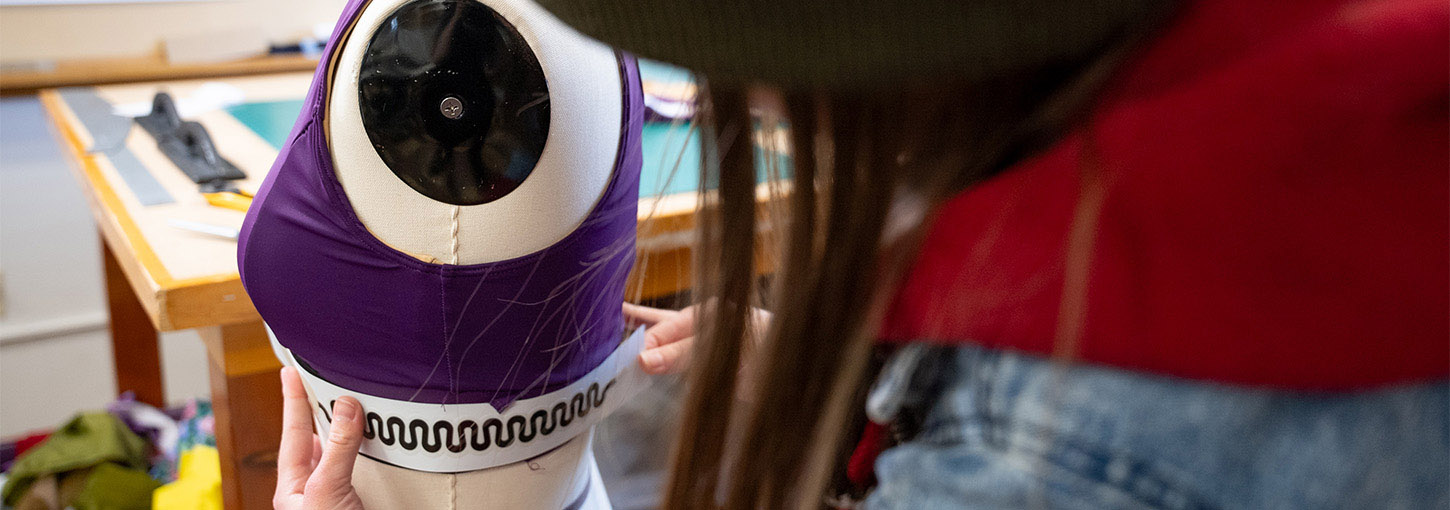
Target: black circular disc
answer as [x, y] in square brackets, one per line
[454, 101]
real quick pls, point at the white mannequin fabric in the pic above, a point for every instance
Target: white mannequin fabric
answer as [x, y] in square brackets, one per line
[585, 99]
[551, 481]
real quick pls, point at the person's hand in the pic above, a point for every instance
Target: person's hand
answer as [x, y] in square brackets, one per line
[668, 339]
[671, 335]
[310, 476]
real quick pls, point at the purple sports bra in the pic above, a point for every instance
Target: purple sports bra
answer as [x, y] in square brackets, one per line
[371, 319]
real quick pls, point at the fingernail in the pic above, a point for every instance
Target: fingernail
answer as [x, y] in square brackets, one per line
[651, 359]
[344, 410]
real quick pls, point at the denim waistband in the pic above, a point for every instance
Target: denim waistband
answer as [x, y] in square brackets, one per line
[1001, 429]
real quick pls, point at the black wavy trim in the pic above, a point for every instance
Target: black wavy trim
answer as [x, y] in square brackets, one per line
[500, 432]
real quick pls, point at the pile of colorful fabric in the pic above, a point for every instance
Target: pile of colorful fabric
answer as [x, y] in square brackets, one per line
[131, 456]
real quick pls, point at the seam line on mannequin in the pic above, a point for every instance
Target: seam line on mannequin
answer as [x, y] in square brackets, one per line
[453, 235]
[453, 492]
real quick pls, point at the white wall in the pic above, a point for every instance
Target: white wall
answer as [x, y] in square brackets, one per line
[55, 353]
[54, 349]
[44, 32]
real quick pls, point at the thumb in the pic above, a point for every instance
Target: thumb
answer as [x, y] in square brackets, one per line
[333, 476]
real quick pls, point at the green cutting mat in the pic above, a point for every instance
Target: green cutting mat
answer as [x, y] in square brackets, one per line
[271, 120]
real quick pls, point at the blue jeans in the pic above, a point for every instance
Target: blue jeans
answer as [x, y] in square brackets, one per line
[1003, 430]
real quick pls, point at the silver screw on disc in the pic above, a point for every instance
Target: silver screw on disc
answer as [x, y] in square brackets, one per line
[451, 107]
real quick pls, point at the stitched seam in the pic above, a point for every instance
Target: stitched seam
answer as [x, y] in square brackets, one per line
[447, 338]
[453, 235]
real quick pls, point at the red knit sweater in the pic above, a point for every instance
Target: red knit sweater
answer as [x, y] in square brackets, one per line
[1274, 208]
[1274, 189]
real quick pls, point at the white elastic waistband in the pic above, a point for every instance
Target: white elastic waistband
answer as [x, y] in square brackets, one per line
[452, 438]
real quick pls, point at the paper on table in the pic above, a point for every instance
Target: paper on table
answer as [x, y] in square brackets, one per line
[205, 228]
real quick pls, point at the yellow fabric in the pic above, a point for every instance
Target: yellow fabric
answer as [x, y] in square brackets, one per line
[198, 484]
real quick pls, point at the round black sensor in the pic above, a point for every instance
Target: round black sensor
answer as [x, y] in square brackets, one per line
[454, 101]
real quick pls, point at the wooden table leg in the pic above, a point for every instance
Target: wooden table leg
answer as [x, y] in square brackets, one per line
[135, 347]
[247, 399]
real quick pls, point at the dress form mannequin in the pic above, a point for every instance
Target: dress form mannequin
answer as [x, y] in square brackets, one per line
[462, 286]
[584, 101]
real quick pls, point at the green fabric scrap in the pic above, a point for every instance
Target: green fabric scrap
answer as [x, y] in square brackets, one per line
[87, 440]
[112, 487]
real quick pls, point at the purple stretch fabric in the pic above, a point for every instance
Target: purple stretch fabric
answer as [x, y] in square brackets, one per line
[374, 320]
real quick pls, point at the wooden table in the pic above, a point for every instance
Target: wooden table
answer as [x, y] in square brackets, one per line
[154, 67]
[160, 278]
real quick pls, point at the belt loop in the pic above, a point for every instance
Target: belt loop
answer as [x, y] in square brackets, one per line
[891, 391]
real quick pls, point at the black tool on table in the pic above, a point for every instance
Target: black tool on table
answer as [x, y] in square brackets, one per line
[187, 144]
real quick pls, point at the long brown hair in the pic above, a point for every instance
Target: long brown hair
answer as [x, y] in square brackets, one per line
[867, 170]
